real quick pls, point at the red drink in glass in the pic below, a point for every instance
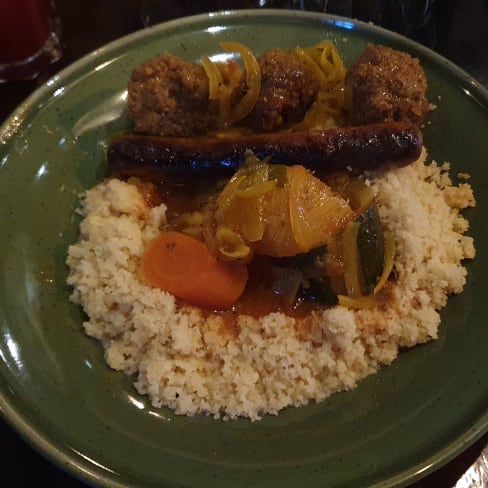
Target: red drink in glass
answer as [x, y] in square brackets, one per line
[28, 43]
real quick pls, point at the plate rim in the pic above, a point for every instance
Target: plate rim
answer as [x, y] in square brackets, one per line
[74, 463]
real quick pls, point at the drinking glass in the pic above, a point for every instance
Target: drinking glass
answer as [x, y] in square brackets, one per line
[29, 38]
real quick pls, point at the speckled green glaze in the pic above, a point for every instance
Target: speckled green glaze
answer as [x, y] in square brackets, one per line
[54, 385]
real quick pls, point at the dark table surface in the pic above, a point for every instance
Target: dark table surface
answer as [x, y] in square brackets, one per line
[457, 29]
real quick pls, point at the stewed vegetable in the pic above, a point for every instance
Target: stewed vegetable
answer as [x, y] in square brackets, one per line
[318, 242]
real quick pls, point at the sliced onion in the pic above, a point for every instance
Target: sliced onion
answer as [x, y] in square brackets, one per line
[215, 80]
[353, 274]
[253, 82]
[388, 266]
[357, 303]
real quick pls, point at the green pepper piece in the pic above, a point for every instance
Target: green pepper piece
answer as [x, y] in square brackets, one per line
[371, 244]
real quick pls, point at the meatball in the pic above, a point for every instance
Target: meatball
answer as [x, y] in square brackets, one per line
[288, 89]
[386, 85]
[168, 96]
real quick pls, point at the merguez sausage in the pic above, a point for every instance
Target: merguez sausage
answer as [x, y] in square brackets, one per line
[351, 149]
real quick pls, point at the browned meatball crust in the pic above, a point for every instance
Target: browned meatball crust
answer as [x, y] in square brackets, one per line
[288, 89]
[169, 96]
[386, 85]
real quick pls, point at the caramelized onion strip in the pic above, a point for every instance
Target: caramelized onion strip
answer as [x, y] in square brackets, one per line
[253, 82]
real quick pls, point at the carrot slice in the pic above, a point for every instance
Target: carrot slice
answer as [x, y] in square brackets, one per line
[184, 267]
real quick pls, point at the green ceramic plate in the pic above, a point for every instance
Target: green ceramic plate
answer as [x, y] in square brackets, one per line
[54, 385]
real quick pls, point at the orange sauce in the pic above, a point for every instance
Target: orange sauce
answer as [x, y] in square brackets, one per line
[259, 298]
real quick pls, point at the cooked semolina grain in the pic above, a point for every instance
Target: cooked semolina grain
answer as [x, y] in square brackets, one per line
[190, 362]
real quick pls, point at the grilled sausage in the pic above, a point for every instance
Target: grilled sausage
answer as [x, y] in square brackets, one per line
[351, 149]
